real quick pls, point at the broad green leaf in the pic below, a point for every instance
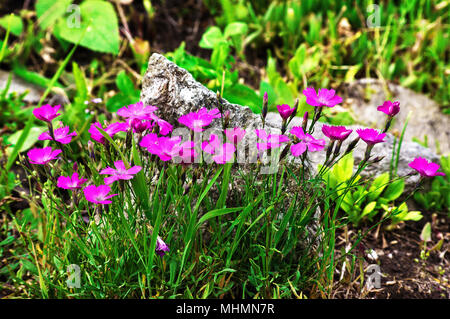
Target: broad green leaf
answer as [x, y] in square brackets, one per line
[394, 190]
[425, 235]
[368, 209]
[243, 95]
[343, 170]
[211, 37]
[49, 11]
[220, 55]
[99, 20]
[378, 185]
[31, 139]
[14, 23]
[124, 83]
[235, 28]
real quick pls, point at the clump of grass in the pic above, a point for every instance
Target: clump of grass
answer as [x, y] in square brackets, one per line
[146, 214]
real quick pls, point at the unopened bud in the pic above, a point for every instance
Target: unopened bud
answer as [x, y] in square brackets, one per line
[305, 121]
[294, 113]
[265, 106]
[377, 159]
[352, 145]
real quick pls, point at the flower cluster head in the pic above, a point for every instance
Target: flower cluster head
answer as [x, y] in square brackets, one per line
[61, 135]
[120, 172]
[222, 153]
[47, 112]
[306, 141]
[197, 120]
[425, 168]
[324, 97]
[164, 127]
[270, 140]
[285, 111]
[371, 136]
[336, 133]
[389, 108]
[71, 182]
[42, 156]
[111, 130]
[98, 194]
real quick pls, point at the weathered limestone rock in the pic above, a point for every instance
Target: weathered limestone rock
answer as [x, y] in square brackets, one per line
[364, 95]
[176, 92]
[19, 85]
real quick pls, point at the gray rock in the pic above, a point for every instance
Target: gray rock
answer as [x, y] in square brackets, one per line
[176, 93]
[19, 85]
[364, 95]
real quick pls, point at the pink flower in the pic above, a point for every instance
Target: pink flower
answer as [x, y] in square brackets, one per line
[98, 194]
[140, 126]
[61, 135]
[389, 108]
[306, 142]
[339, 133]
[185, 152]
[111, 130]
[285, 111]
[161, 247]
[47, 112]
[425, 168]
[137, 111]
[222, 153]
[371, 136]
[163, 147]
[211, 145]
[197, 120]
[120, 172]
[164, 126]
[235, 135]
[72, 182]
[42, 155]
[323, 98]
[270, 141]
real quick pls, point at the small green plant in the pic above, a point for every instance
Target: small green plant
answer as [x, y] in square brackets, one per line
[365, 201]
[438, 198]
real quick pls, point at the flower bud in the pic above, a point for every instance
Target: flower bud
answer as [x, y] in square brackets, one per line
[352, 145]
[305, 121]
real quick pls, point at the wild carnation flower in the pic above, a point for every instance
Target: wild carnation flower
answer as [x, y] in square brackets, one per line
[389, 108]
[285, 111]
[47, 112]
[161, 247]
[270, 140]
[42, 155]
[137, 111]
[210, 145]
[306, 142]
[323, 98]
[61, 134]
[120, 172]
[235, 135]
[163, 147]
[72, 182]
[140, 126]
[164, 126]
[185, 151]
[371, 136]
[339, 133]
[425, 168]
[98, 194]
[197, 120]
[111, 130]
